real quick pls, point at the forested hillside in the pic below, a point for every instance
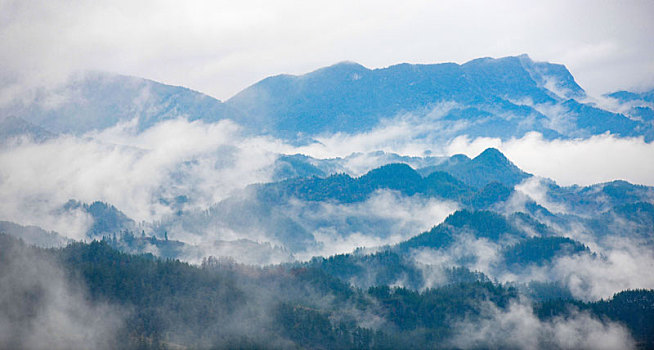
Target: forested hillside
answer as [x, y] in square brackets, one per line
[170, 304]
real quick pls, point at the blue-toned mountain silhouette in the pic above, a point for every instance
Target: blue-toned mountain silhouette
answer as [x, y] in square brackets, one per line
[484, 97]
[290, 212]
[639, 106]
[96, 100]
[11, 127]
[505, 97]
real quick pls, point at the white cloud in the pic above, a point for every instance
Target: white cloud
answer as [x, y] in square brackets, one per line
[587, 161]
[624, 265]
[131, 171]
[42, 308]
[583, 161]
[476, 254]
[385, 218]
[618, 263]
[308, 228]
[517, 327]
[207, 162]
[535, 188]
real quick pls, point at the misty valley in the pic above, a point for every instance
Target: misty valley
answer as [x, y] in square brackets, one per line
[418, 206]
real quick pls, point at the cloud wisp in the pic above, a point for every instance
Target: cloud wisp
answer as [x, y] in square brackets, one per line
[517, 327]
[582, 161]
[42, 308]
[201, 164]
[136, 172]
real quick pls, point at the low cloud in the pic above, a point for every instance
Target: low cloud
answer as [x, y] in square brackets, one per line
[41, 308]
[178, 164]
[535, 188]
[138, 173]
[616, 263]
[617, 106]
[385, 218]
[517, 327]
[582, 161]
[303, 229]
[399, 134]
[476, 254]
[622, 265]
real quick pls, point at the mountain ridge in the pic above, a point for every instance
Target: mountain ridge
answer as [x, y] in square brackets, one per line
[485, 97]
[94, 100]
[363, 95]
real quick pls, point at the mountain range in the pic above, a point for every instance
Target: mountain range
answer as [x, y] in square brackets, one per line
[374, 249]
[505, 98]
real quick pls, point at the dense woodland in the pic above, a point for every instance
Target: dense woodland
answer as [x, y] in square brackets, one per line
[221, 304]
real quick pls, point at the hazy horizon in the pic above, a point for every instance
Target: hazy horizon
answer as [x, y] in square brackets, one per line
[221, 48]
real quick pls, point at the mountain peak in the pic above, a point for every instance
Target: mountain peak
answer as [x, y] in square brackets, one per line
[498, 61]
[627, 96]
[490, 165]
[393, 170]
[524, 56]
[492, 155]
[544, 81]
[349, 64]
[493, 158]
[96, 100]
[344, 67]
[459, 157]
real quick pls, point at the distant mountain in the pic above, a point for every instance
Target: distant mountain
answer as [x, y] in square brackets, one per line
[488, 97]
[247, 251]
[489, 166]
[290, 212]
[482, 224]
[95, 101]
[107, 219]
[505, 98]
[296, 165]
[516, 252]
[588, 120]
[541, 250]
[300, 165]
[638, 215]
[295, 216]
[599, 198]
[349, 97]
[454, 178]
[625, 96]
[12, 127]
[346, 189]
[638, 105]
[33, 235]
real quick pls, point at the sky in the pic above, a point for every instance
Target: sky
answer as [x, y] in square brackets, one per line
[221, 47]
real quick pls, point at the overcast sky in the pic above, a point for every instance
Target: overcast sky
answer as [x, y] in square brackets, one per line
[221, 47]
